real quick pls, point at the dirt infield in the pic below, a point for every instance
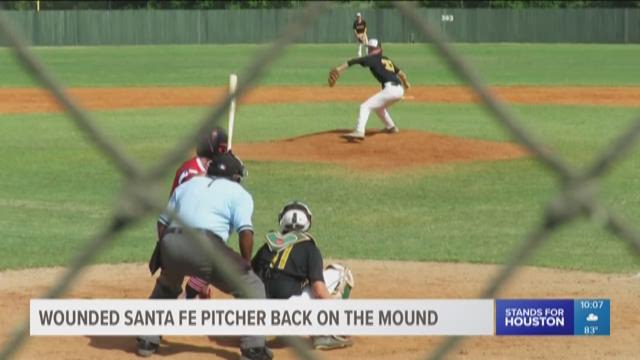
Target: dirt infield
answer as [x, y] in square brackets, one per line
[380, 152]
[29, 100]
[375, 279]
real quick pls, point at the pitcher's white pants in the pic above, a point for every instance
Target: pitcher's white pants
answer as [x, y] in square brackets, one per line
[331, 280]
[379, 103]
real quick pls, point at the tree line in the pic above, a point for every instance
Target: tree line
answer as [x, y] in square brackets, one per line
[277, 4]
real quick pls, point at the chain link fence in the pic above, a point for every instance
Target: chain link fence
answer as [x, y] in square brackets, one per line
[577, 195]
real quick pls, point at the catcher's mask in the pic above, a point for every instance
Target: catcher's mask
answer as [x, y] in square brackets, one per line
[227, 165]
[295, 215]
[213, 143]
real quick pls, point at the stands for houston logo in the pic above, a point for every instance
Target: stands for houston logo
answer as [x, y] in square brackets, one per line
[534, 317]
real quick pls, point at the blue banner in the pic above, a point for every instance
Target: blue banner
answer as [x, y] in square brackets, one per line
[586, 317]
[534, 317]
[592, 317]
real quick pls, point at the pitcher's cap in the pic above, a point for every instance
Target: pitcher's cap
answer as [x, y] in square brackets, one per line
[358, 14]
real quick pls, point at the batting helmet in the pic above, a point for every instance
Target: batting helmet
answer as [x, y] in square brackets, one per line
[295, 215]
[213, 143]
[227, 165]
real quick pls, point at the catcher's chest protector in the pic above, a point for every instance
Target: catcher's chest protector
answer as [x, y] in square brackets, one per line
[282, 244]
[277, 241]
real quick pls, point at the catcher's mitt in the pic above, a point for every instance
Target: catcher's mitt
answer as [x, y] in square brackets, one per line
[334, 74]
[345, 282]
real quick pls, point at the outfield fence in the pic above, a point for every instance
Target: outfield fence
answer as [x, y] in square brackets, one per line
[576, 196]
[139, 27]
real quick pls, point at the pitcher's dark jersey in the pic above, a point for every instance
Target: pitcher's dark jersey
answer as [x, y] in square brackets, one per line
[382, 68]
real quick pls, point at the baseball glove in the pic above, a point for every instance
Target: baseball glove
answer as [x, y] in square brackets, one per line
[334, 75]
[341, 289]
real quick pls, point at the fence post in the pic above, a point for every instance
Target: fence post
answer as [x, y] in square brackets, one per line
[626, 25]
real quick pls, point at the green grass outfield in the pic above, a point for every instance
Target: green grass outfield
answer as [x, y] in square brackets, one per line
[57, 191]
[501, 64]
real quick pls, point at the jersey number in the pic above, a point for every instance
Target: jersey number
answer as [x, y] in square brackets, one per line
[388, 65]
[279, 260]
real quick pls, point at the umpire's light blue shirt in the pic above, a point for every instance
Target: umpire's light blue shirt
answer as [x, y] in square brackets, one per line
[215, 204]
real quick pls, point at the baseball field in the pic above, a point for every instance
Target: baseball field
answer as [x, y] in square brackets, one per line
[428, 213]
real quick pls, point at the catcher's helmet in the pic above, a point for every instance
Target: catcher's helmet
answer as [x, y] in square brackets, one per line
[213, 143]
[295, 215]
[227, 165]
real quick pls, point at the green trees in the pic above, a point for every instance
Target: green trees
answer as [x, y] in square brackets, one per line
[268, 4]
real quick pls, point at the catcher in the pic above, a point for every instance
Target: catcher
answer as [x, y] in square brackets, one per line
[393, 81]
[290, 265]
[360, 31]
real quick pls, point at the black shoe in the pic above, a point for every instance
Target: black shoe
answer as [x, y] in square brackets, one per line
[191, 293]
[146, 348]
[257, 353]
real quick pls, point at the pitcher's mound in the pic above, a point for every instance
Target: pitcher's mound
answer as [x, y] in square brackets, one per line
[380, 151]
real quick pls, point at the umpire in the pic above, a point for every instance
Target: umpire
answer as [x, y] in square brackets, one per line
[214, 205]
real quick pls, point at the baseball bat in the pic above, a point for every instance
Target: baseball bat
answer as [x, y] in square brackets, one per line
[233, 84]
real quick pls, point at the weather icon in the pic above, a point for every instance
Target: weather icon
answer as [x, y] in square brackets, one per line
[592, 317]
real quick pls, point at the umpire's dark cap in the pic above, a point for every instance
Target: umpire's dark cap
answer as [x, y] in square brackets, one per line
[227, 165]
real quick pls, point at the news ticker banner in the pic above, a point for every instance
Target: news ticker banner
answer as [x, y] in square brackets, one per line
[389, 317]
[261, 317]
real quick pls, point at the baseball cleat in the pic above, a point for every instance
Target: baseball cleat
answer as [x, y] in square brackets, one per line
[146, 348]
[331, 342]
[355, 135]
[391, 130]
[259, 353]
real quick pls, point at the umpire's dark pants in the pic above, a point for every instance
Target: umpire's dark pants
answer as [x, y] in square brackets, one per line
[183, 256]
